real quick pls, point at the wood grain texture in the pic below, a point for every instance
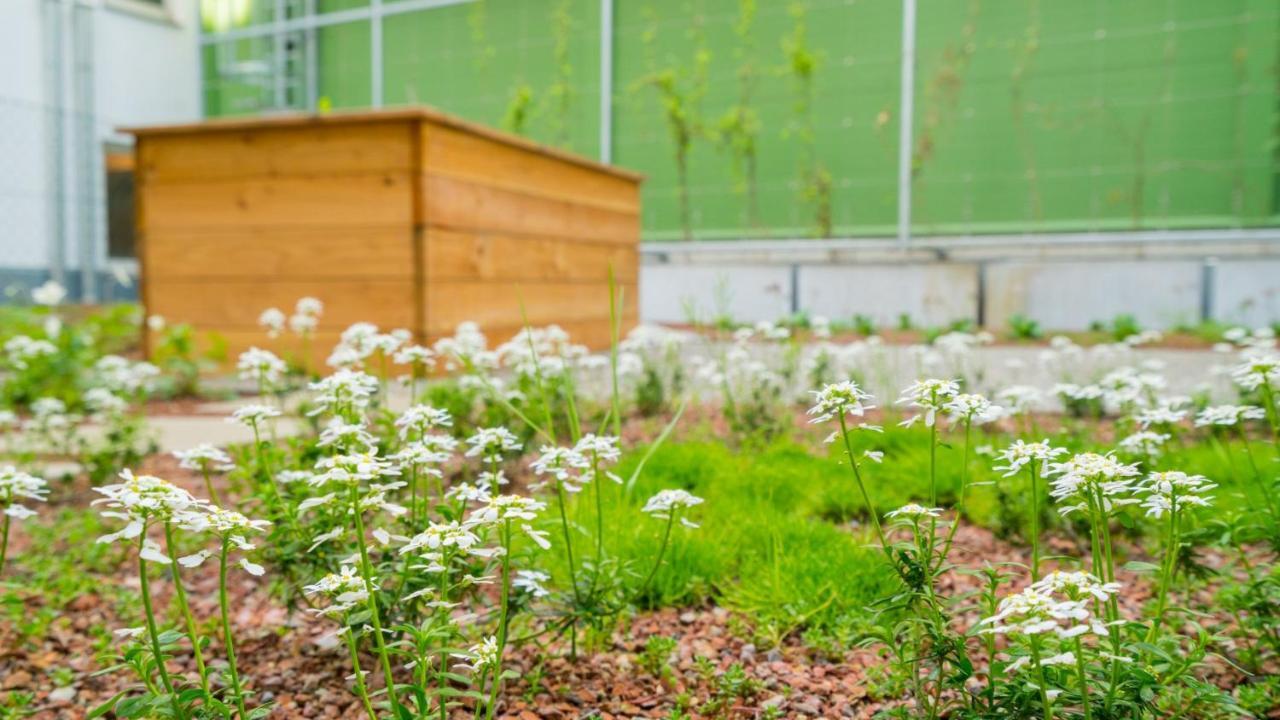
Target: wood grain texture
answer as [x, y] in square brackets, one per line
[292, 254]
[337, 149]
[235, 304]
[466, 205]
[501, 257]
[499, 304]
[322, 202]
[455, 153]
[403, 219]
[418, 114]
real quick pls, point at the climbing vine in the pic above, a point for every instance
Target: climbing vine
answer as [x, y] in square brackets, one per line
[739, 127]
[802, 65]
[520, 109]
[680, 88]
[559, 96]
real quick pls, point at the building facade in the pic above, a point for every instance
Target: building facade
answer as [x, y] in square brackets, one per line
[76, 71]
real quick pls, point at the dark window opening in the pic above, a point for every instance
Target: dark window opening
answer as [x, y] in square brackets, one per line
[120, 228]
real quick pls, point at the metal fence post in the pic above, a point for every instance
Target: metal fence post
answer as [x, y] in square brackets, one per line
[606, 81]
[906, 111]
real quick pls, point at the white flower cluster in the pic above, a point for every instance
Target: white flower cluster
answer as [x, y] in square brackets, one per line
[17, 487]
[666, 502]
[1090, 479]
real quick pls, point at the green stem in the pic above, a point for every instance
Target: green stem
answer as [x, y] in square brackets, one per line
[4, 542]
[1035, 522]
[1166, 572]
[502, 621]
[227, 639]
[964, 487]
[862, 488]
[180, 593]
[361, 690]
[441, 680]
[1044, 681]
[568, 541]
[662, 550]
[366, 571]
[1257, 475]
[596, 481]
[208, 483]
[1084, 680]
[154, 634]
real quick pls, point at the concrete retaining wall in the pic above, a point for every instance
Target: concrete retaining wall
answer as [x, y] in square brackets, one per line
[1063, 286]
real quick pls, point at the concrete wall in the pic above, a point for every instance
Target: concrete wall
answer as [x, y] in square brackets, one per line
[931, 294]
[1068, 295]
[1063, 283]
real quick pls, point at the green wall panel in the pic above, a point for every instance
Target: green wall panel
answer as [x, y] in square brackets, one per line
[1031, 115]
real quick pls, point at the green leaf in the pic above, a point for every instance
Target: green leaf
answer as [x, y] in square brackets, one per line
[105, 707]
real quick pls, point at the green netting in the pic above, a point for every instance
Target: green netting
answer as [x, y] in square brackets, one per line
[1030, 116]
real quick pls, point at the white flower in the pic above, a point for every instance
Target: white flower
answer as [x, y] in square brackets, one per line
[309, 306]
[261, 366]
[1228, 415]
[930, 396]
[418, 420]
[141, 498]
[1076, 585]
[20, 349]
[666, 502]
[203, 457]
[348, 437]
[1089, 477]
[483, 655]
[440, 536]
[272, 320]
[912, 511]
[839, 400]
[1020, 454]
[345, 588]
[1167, 413]
[532, 582]
[1258, 369]
[1174, 490]
[18, 486]
[564, 465]
[490, 444]
[1144, 442]
[50, 293]
[501, 508]
[417, 356]
[253, 414]
[121, 375]
[1034, 611]
[972, 408]
[345, 389]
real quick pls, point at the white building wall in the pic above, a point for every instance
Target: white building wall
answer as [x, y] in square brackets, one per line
[96, 65]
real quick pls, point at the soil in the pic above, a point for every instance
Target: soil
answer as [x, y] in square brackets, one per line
[293, 660]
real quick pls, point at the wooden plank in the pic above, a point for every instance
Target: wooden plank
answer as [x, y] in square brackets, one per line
[236, 304]
[464, 205]
[456, 153]
[413, 114]
[326, 201]
[466, 255]
[291, 253]
[279, 152]
[499, 304]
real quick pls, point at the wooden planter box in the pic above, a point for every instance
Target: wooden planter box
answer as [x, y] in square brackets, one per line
[406, 218]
